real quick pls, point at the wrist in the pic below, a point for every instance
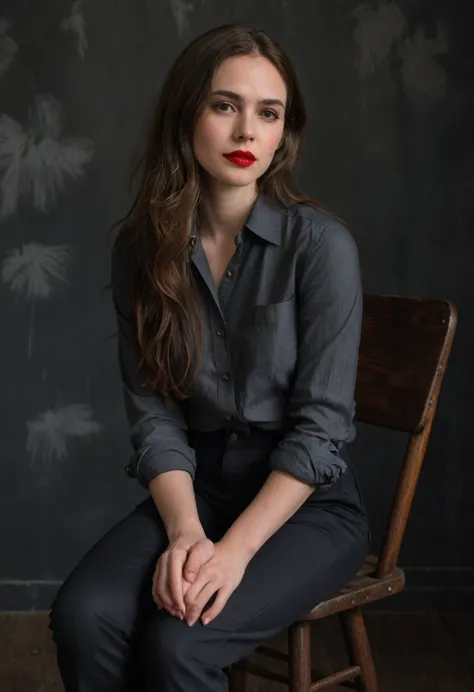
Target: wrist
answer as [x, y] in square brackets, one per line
[185, 527]
[236, 544]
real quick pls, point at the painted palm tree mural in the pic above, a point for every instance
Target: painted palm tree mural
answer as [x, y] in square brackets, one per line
[37, 162]
[76, 23]
[181, 9]
[33, 272]
[50, 433]
[382, 31]
[8, 47]
[377, 30]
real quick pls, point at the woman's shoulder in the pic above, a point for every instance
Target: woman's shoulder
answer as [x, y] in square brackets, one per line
[316, 228]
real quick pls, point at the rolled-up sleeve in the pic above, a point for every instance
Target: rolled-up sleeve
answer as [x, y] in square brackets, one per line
[321, 405]
[158, 433]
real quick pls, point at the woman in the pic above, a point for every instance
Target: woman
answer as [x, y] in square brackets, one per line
[239, 310]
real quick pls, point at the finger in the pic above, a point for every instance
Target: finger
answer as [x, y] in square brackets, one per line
[193, 612]
[199, 554]
[196, 588]
[176, 564]
[161, 604]
[186, 586]
[221, 599]
[154, 586]
[162, 589]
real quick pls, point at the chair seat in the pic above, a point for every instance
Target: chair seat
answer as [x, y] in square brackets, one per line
[364, 588]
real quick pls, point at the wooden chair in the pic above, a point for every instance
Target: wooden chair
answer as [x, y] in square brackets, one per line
[404, 350]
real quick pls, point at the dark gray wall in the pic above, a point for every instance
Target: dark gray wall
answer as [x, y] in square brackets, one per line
[389, 90]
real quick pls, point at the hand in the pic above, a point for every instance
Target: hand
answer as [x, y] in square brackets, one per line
[169, 583]
[222, 574]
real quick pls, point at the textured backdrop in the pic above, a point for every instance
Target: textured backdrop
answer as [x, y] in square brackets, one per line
[389, 92]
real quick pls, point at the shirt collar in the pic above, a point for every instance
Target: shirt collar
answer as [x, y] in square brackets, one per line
[265, 219]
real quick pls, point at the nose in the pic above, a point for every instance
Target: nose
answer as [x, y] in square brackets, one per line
[245, 128]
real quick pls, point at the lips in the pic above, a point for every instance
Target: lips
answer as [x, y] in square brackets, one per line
[239, 154]
[241, 158]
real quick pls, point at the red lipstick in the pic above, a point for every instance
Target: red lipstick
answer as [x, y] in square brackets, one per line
[241, 158]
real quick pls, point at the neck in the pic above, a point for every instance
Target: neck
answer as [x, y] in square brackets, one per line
[223, 211]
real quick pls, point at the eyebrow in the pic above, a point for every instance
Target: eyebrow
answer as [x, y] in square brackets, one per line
[240, 99]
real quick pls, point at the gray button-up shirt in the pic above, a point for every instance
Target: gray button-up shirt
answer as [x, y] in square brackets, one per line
[281, 340]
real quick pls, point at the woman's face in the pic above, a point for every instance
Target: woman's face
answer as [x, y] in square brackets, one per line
[249, 117]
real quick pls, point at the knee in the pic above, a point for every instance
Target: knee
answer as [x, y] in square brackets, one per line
[76, 613]
[167, 644]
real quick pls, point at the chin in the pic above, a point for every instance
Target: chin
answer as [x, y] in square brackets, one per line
[238, 176]
[241, 183]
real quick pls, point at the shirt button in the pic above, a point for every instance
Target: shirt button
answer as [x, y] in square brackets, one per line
[226, 377]
[229, 273]
[221, 333]
[233, 437]
[228, 418]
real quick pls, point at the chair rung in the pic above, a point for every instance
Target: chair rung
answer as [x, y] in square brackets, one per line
[263, 672]
[336, 679]
[343, 676]
[272, 653]
[278, 655]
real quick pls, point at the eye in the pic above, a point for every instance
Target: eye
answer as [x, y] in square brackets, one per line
[275, 115]
[218, 106]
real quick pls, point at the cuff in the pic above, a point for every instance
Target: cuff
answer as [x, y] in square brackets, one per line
[146, 465]
[317, 472]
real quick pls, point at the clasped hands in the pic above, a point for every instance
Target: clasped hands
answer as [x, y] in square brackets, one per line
[191, 570]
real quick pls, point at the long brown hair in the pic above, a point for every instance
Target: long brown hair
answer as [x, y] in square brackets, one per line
[166, 206]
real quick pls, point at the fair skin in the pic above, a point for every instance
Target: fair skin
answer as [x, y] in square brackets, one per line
[229, 123]
[193, 569]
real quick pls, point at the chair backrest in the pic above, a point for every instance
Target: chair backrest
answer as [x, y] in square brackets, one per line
[405, 346]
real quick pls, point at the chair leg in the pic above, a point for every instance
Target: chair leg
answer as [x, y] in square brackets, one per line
[237, 679]
[299, 657]
[359, 649]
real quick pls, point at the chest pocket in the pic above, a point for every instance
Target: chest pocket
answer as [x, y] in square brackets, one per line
[275, 314]
[270, 344]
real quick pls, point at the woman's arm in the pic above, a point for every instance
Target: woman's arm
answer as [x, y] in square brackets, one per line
[173, 495]
[321, 404]
[276, 502]
[163, 462]
[158, 431]
[279, 498]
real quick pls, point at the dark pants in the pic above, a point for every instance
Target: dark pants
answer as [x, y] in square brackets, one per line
[110, 636]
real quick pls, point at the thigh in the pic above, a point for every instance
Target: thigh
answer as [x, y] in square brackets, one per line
[114, 578]
[306, 561]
